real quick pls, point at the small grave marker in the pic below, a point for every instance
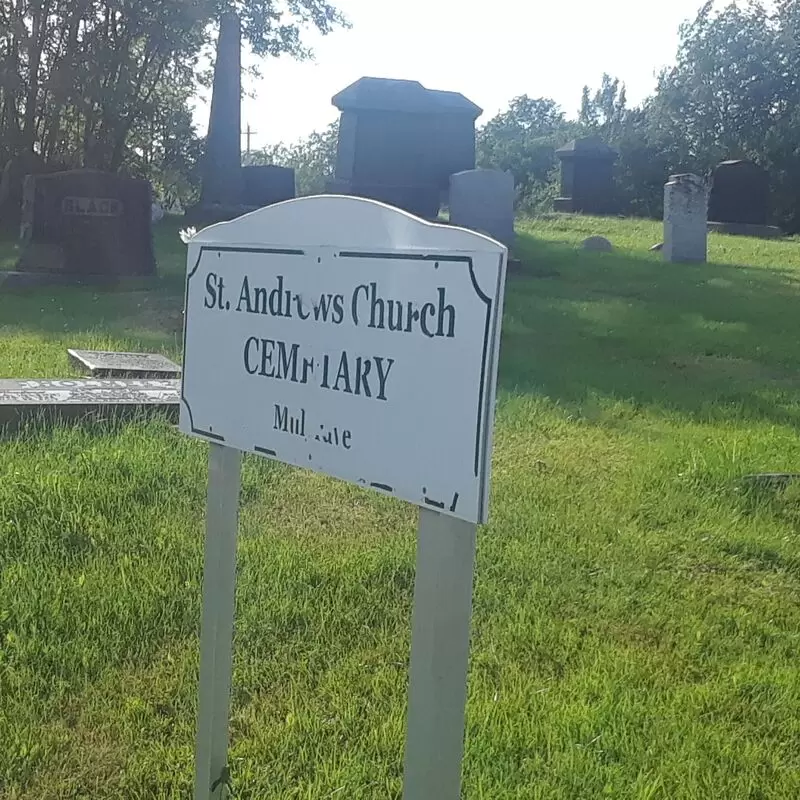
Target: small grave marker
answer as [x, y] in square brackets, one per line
[73, 399]
[483, 200]
[108, 364]
[347, 336]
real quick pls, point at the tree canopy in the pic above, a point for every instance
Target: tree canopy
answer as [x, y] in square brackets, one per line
[107, 83]
[733, 92]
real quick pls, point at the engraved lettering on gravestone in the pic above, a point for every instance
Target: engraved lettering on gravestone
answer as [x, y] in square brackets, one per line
[72, 399]
[108, 364]
[78, 392]
[145, 383]
[91, 206]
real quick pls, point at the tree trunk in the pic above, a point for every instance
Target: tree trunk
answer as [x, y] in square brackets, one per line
[36, 45]
[64, 84]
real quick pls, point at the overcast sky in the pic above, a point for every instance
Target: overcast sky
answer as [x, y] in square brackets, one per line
[489, 51]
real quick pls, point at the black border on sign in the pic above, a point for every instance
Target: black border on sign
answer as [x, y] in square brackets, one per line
[487, 355]
[481, 412]
[275, 251]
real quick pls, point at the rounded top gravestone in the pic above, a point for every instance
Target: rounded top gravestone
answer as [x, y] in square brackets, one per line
[597, 244]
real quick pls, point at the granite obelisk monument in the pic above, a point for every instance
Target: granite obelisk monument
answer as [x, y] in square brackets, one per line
[221, 193]
[229, 189]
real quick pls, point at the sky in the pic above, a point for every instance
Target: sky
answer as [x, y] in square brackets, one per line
[489, 51]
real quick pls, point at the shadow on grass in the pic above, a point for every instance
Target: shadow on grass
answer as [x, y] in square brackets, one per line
[708, 341]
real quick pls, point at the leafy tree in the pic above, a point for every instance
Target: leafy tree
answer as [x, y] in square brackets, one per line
[734, 93]
[107, 83]
[726, 88]
[604, 114]
[523, 140]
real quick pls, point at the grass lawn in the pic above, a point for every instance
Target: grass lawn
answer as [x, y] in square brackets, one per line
[636, 629]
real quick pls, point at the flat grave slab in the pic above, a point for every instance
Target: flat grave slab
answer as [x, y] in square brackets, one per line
[108, 364]
[81, 397]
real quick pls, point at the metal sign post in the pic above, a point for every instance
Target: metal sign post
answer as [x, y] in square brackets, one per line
[437, 689]
[216, 631]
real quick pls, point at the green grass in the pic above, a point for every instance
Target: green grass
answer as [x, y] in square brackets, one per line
[636, 630]
[38, 325]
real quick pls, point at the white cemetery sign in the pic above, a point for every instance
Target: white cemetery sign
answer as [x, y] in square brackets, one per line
[346, 336]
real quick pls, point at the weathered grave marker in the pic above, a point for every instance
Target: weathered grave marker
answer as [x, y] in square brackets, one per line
[108, 364]
[685, 219]
[347, 336]
[80, 397]
[483, 200]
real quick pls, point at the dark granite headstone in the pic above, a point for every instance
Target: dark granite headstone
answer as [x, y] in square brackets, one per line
[587, 177]
[400, 142]
[75, 399]
[228, 189]
[739, 194]
[87, 222]
[108, 364]
[265, 185]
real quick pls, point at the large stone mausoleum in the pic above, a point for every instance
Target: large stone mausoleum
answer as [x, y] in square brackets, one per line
[400, 142]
